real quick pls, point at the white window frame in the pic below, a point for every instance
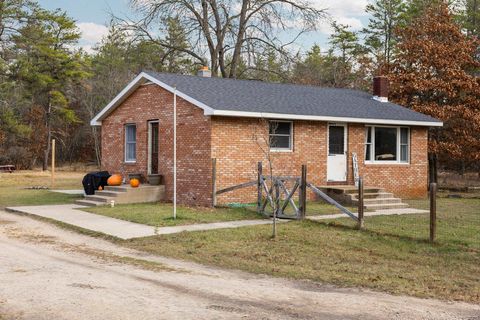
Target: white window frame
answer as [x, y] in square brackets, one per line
[127, 142]
[290, 135]
[372, 146]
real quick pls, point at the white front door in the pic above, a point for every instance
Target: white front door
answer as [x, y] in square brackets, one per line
[337, 152]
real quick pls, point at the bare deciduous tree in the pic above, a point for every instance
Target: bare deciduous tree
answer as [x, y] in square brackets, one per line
[261, 137]
[225, 31]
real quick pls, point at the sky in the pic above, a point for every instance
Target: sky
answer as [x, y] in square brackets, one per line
[92, 17]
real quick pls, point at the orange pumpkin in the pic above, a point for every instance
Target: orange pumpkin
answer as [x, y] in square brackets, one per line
[134, 182]
[114, 180]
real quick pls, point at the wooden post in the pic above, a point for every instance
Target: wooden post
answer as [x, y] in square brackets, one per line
[433, 211]
[259, 186]
[361, 206]
[303, 193]
[53, 165]
[214, 182]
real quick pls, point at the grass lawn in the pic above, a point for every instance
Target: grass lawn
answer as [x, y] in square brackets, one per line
[390, 255]
[160, 214]
[13, 192]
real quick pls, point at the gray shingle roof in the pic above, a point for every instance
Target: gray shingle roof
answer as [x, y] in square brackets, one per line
[258, 96]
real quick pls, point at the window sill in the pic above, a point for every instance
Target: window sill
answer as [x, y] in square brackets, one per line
[386, 163]
[130, 162]
[281, 150]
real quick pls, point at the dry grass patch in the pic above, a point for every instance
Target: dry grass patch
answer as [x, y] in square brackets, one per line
[13, 186]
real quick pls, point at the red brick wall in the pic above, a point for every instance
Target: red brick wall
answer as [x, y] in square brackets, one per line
[150, 102]
[237, 152]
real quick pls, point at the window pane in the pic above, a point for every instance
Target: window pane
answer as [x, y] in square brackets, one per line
[403, 135]
[131, 133]
[368, 148]
[404, 153]
[336, 140]
[385, 144]
[369, 134]
[131, 152]
[280, 142]
[280, 127]
[130, 142]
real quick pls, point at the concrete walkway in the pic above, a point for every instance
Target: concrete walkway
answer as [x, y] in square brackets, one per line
[69, 214]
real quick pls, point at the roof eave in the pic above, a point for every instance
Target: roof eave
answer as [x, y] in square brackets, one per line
[229, 113]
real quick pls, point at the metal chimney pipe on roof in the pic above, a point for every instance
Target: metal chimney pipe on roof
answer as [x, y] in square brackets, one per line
[204, 72]
[380, 88]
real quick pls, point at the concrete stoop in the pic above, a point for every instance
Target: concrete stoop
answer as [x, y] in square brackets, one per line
[374, 198]
[124, 194]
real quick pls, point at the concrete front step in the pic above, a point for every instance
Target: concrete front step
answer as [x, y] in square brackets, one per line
[124, 194]
[378, 201]
[375, 195]
[386, 206]
[89, 203]
[108, 193]
[99, 198]
[365, 190]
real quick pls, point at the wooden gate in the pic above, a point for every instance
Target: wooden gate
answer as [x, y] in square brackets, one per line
[277, 194]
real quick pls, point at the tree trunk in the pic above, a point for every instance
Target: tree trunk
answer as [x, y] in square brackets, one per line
[48, 137]
[96, 144]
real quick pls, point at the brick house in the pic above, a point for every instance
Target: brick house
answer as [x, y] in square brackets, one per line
[229, 120]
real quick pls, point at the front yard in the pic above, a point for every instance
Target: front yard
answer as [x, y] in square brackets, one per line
[390, 255]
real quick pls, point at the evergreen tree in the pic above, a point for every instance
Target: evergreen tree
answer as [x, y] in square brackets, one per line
[48, 67]
[380, 40]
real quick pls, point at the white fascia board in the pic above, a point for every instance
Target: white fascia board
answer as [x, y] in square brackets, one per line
[139, 80]
[265, 115]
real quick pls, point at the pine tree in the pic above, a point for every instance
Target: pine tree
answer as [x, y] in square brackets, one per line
[47, 65]
[380, 40]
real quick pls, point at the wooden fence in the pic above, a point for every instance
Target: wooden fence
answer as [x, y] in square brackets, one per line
[274, 191]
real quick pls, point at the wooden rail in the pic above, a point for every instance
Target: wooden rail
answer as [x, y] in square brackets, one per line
[331, 201]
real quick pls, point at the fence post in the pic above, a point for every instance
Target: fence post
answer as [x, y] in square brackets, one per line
[303, 193]
[433, 211]
[214, 182]
[259, 186]
[361, 206]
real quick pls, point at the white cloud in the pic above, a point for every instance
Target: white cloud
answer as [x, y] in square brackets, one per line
[92, 33]
[354, 24]
[342, 8]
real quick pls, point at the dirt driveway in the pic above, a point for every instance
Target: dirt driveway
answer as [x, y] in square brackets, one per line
[50, 273]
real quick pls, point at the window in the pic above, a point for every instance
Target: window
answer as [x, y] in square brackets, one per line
[280, 133]
[130, 143]
[404, 142]
[387, 144]
[336, 140]
[368, 144]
